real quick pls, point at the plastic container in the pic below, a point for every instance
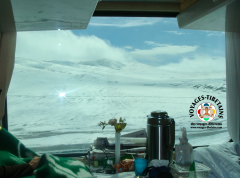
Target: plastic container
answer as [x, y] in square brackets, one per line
[104, 161]
[124, 166]
[140, 165]
[183, 150]
[182, 171]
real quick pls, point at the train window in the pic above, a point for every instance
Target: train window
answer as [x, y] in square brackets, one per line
[65, 82]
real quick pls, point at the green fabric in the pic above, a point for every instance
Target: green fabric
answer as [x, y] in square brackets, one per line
[13, 152]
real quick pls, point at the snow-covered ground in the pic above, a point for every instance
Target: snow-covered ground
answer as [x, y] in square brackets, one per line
[98, 91]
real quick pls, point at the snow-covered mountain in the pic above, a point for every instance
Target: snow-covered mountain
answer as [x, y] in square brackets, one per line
[98, 91]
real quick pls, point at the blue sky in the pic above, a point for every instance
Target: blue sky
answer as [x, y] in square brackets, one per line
[161, 30]
[152, 41]
[135, 32]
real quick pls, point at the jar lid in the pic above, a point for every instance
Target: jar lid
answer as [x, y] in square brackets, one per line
[159, 113]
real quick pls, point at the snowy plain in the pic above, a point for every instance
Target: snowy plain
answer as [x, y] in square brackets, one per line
[98, 91]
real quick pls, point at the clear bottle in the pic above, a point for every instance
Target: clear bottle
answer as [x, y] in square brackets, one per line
[183, 150]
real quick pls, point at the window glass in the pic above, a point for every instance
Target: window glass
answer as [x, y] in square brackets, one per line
[65, 82]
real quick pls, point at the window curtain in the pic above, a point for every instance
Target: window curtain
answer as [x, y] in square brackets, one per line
[233, 69]
[7, 50]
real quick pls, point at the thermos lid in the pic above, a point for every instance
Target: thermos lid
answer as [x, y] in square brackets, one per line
[159, 117]
[159, 113]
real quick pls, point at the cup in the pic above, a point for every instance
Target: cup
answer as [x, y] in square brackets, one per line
[140, 165]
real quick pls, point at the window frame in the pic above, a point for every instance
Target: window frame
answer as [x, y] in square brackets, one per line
[5, 117]
[108, 14]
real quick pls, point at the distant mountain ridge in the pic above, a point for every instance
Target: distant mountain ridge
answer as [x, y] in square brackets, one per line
[115, 72]
[221, 88]
[96, 63]
[105, 63]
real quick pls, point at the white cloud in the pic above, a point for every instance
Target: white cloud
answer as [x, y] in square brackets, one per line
[199, 63]
[152, 43]
[44, 45]
[175, 32]
[170, 21]
[161, 49]
[124, 22]
[213, 33]
[128, 47]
